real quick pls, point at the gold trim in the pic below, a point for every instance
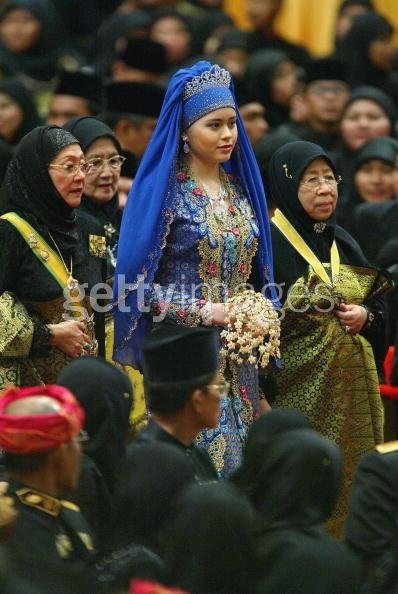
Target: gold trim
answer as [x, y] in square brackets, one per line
[386, 448]
[287, 229]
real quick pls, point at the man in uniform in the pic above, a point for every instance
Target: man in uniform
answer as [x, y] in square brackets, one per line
[183, 390]
[40, 429]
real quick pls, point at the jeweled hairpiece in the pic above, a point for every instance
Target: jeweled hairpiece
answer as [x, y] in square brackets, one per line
[215, 77]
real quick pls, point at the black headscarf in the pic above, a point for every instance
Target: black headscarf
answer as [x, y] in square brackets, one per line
[382, 148]
[153, 476]
[345, 156]
[348, 3]
[299, 480]
[377, 96]
[87, 130]
[260, 439]
[285, 171]
[20, 94]
[105, 393]
[28, 190]
[259, 76]
[211, 549]
[354, 50]
[40, 60]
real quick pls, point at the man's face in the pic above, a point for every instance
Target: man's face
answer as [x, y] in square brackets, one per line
[253, 116]
[207, 402]
[325, 100]
[69, 465]
[64, 107]
[134, 136]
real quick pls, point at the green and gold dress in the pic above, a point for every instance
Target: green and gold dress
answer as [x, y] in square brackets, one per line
[327, 373]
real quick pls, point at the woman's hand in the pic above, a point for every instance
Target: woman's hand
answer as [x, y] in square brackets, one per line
[218, 314]
[69, 337]
[352, 317]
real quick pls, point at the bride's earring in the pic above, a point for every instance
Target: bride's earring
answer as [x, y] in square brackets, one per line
[185, 146]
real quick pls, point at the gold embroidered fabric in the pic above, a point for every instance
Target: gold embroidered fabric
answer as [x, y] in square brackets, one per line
[329, 374]
[97, 245]
[16, 332]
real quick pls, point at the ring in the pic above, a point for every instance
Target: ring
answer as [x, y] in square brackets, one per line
[347, 328]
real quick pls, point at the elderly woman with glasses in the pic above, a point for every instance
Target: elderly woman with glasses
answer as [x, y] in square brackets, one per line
[333, 311]
[100, 204]
[47, 263]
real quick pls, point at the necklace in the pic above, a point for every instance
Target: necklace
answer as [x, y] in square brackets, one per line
[71, 283]
[220, 204]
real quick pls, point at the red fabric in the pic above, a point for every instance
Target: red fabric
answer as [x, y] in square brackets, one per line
[145, 587]
[28, 434]
[387, 389]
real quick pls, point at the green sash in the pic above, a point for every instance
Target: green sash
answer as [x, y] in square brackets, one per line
[43, 252]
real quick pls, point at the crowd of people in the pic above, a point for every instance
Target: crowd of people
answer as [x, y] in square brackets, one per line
[199, 250]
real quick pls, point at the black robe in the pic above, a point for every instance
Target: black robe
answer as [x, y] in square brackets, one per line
[203, 466]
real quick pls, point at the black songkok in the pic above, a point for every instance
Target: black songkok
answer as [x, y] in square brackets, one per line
[79, 84]
[178, 354]
[325, 69]
[146, 55]
[137, 98]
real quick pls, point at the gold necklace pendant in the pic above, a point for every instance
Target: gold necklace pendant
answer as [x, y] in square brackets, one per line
[73, 285]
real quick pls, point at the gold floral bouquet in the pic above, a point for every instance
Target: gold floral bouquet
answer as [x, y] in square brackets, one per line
[252, 330]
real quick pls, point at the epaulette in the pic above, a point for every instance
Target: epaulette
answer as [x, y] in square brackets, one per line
[41, 501]
[8, 513]
[386, 448]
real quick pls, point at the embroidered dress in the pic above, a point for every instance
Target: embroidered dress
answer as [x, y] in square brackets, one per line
[329, 374]
[203, 260]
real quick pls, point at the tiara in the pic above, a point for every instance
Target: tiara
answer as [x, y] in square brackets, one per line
[216, 76]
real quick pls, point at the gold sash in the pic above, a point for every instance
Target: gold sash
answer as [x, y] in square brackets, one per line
[43, 252]
[288, 231]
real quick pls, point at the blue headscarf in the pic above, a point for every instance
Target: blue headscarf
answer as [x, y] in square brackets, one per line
[148, 212]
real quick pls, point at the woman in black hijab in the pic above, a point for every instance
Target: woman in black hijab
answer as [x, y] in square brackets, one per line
[43, 261]
[145, 503]
[32, 40]
[210, 546]
[368, 113]
[100, 208]
[100, 199]
[106, 395]
[372, 184]
[18, 114]
[293, 494]
[260, 439]
[271, 79]
[368, 53]
[332, 310]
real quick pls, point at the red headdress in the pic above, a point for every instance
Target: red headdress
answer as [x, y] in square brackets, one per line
[30, 434]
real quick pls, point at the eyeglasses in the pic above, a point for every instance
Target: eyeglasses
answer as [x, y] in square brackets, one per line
[320, 89]
[315, 182]
[114, 162]
[223, 389]
[72, 168]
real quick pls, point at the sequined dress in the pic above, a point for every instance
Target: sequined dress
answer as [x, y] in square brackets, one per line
[203, 259]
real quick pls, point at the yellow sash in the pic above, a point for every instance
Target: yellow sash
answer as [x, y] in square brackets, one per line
[43, 252]
[287, 229]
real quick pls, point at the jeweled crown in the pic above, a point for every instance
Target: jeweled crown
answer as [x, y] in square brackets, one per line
[216, 76]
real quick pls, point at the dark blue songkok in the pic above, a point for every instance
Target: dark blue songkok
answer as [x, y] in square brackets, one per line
[192, 93]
